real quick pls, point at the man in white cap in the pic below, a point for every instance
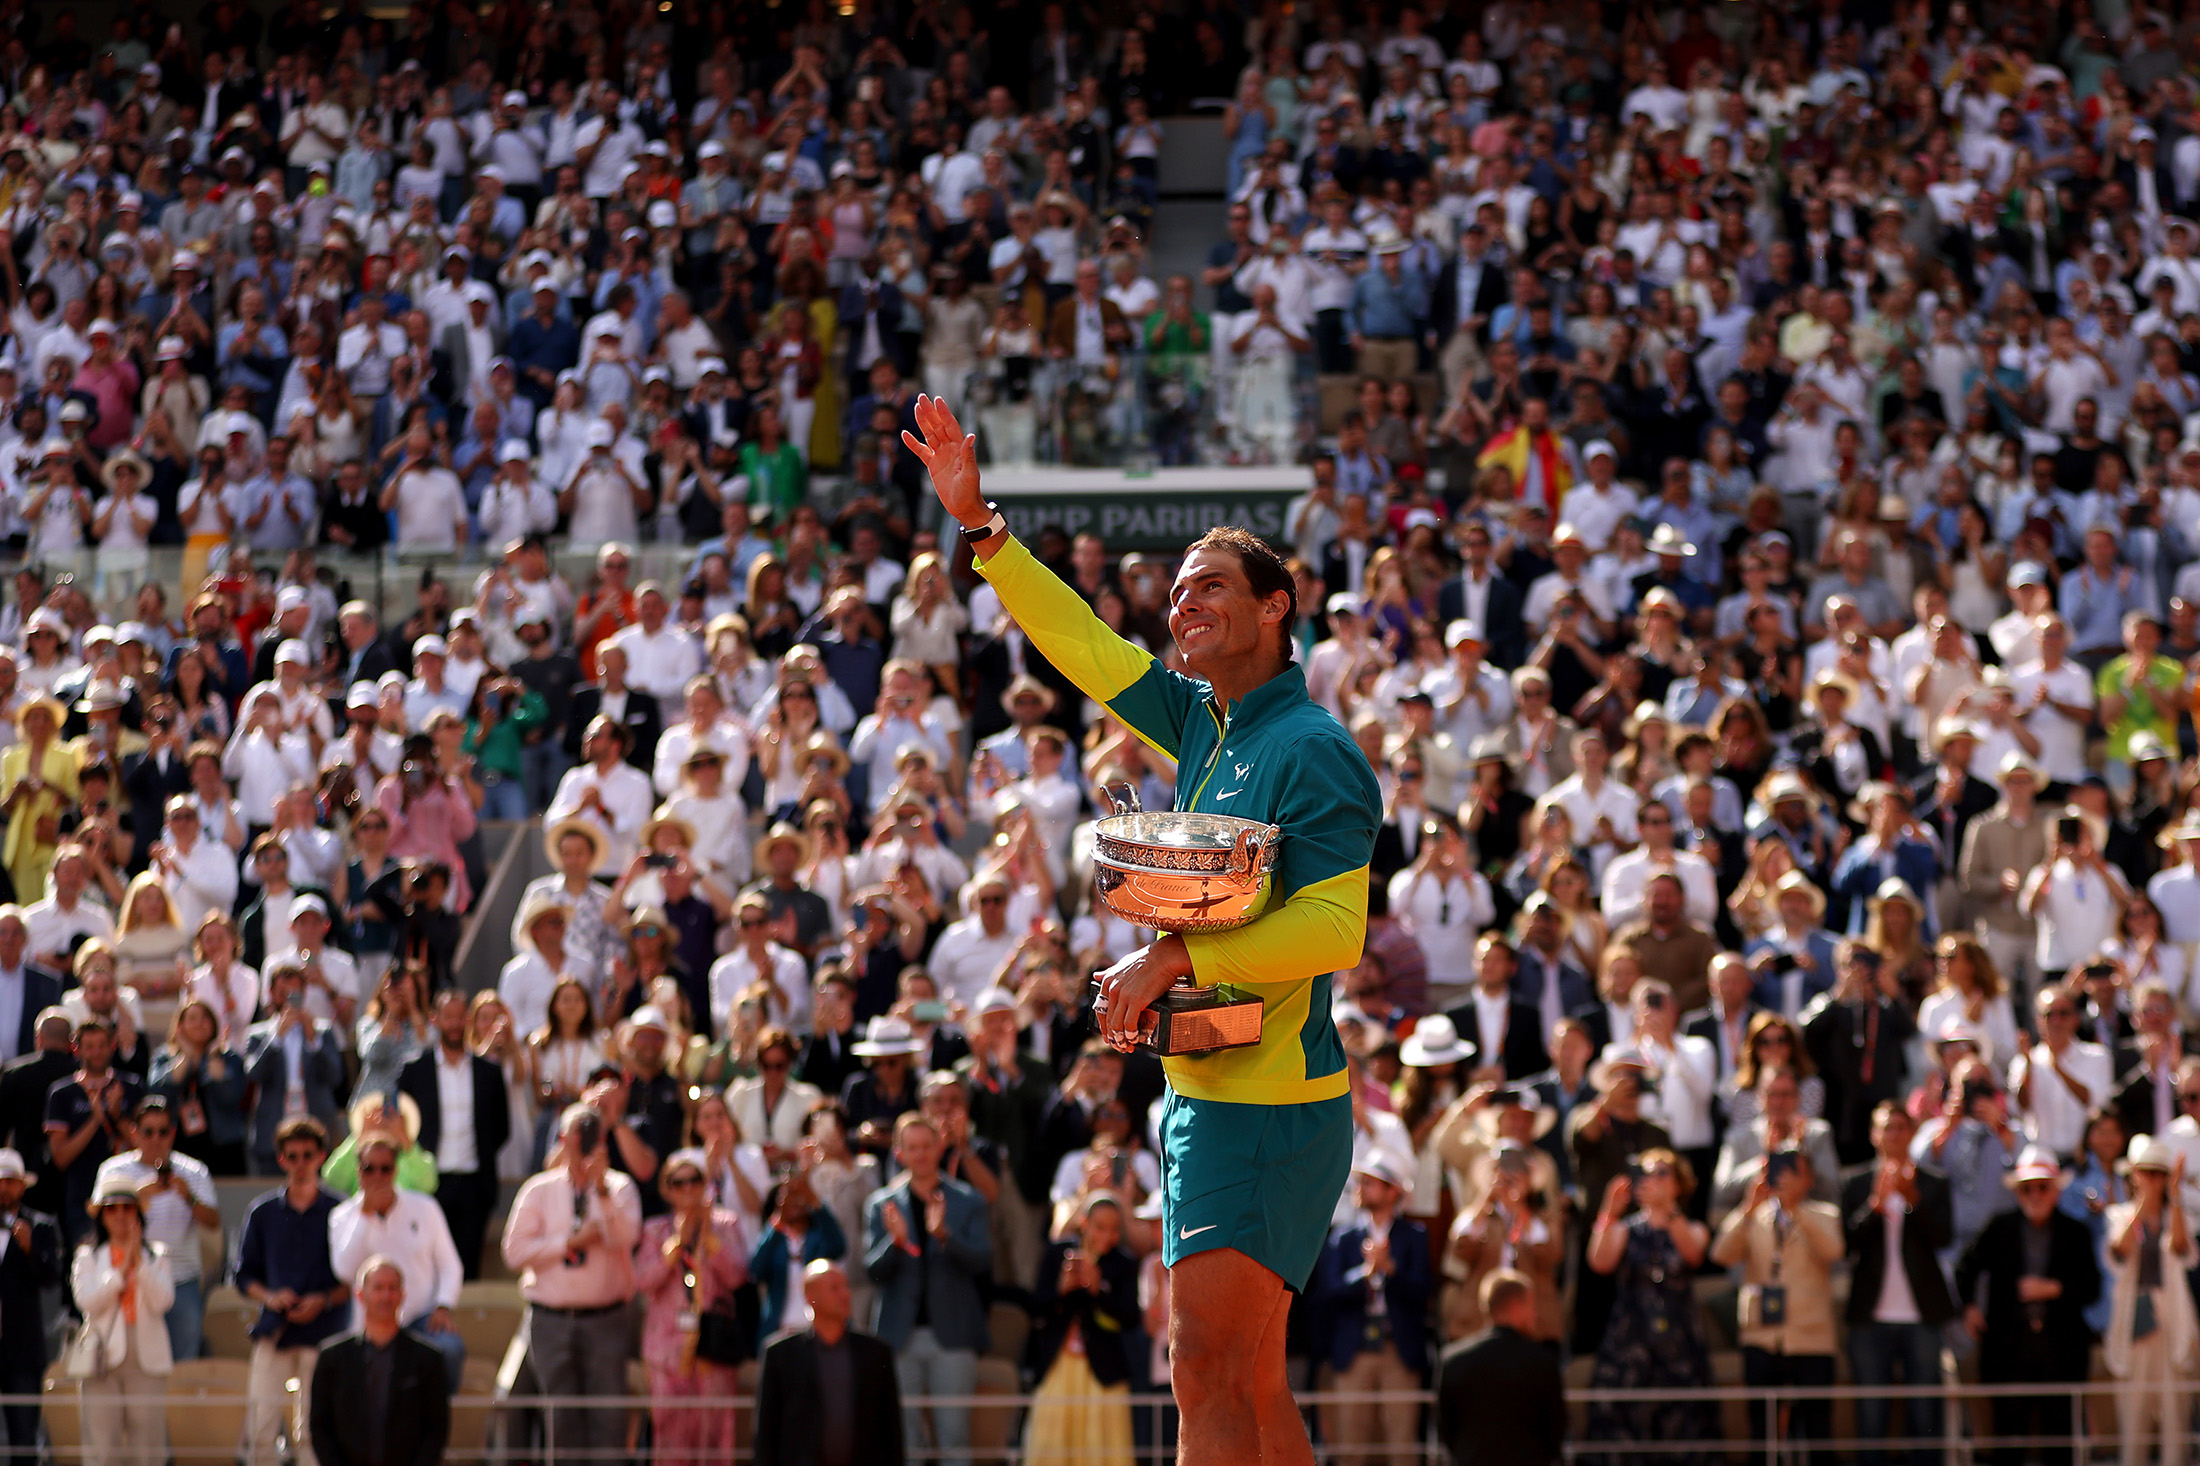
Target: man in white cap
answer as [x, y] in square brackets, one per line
[1471, 697]
[428, 690]
[516, 503]
[367, 347]
[430, 503]
[55, 503]
[1595, 506]
[303, 706]
[604, 500]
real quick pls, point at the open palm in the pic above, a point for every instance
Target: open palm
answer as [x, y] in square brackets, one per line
[951, 456]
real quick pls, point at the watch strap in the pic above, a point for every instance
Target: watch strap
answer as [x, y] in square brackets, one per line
[998, 524]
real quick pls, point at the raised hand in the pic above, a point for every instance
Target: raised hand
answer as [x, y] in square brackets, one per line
[951, 456]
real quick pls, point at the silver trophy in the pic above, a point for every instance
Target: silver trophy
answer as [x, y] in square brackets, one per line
[1185, 873]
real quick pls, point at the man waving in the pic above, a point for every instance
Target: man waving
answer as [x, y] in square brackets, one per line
[1256, 1142]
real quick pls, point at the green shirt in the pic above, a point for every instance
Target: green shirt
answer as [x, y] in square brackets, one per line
[778, 481]
[2140, 715]
[501, 752]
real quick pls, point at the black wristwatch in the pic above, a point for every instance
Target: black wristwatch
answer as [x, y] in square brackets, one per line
[998, 524]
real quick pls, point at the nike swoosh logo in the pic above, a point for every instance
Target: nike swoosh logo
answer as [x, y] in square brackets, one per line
[1186, 1234]
[1234, 793]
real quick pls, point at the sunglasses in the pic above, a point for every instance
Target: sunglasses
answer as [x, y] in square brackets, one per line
[378, 1168]
[749, 923]
[2188, 1099]
[683, 1183]
[148, 1133]
[651, 929]
[992, 900]
[775, 1066]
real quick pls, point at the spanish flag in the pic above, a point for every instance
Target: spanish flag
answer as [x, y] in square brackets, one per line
[1537, 463]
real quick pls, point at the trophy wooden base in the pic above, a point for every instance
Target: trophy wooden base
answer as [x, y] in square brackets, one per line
[1189, 1020]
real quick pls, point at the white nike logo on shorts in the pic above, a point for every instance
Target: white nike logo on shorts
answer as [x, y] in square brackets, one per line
[1186, 1234]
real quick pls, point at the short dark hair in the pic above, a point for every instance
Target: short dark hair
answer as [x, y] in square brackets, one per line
[1265, 570]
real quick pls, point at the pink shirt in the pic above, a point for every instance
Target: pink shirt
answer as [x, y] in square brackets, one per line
[114, 390]
[430, 828]
[542, 1219]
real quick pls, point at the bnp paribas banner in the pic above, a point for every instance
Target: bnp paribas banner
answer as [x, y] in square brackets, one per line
[1162, 509]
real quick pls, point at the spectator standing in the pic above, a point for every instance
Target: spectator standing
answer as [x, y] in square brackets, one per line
[926, 1245]
[1088, 1300]
[2151, 1333]
[119, 1280]
[465, 1118]
[295, 1059]
[1503, 1362]
[30, 1265]
[408, 1227]
[571, 1235]
[686, 1269]
[1655, 1337]
[377, 1396]
[2037, 1267]
[177, 1196]
[1896, 1218]
[87, 1118]
[1373, 1284]
[828, 1395]
[1786, 1244]
[283, 1264]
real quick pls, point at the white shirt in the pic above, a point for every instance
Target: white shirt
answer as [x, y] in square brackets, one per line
[1614, 801]
[2076, 917]
[525, 986]
[411, 1234]
[1596, 513]
[660, 663]
[169, 1220]
[2056, 1117]
[52, 928]
[1445, 917]
[626, 798]
[1897, 1304]
[454, 1089]
[207, 881]
[1628, 877]
[431, 507]
[2062, 740]
[964, 959]
[1687, 1080]
[732, 974]
[728, 735]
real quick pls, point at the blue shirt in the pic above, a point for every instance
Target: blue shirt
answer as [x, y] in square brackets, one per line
[259, 368]
[283, 1247]
[1383, 307]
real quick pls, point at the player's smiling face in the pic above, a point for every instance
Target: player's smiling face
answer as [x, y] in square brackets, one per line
[1213, 613]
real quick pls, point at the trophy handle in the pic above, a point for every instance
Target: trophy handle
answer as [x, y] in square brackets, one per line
[1124, 796]
[1245, 857]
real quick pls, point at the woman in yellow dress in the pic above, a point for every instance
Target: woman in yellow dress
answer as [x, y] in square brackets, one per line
[37, 782]
[1088, 1300]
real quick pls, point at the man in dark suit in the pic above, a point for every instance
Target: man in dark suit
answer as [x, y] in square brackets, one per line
[30, 988]
[1372, 1288]
[24, 1085]
[827, 1394]
[2032, 1329]
[1724, 1021]
[997, 656]
[1503, 1362]
[379, 1396]
[151, 778]
[1502, 1029]
[1890, 1199]
[1544, 979]
[465, 1118]
[637, 714]
[1480, 595]
[1855, 1035]
[30, 1264]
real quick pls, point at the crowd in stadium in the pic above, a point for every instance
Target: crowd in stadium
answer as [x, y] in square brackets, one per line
[1759, 557]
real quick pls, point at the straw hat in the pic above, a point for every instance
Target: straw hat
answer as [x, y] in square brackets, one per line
[30, 705]
[1026, 685]
[1795, 880]
[2147, 1153]
[365, 1108]
[828, 745]
[1606, 1070]
[114, 1187]
[575, 825]
[538, 906]
[664, 821]
[120, 457]
[782, 834]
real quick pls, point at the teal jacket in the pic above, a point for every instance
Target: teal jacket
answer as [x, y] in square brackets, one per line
[1274, 756]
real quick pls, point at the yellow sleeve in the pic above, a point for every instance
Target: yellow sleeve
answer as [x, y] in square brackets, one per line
[1320, 929]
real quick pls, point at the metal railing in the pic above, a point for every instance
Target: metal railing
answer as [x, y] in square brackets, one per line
[493, 1429]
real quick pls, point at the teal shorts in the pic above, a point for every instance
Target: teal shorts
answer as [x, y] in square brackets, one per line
[1262, 1179]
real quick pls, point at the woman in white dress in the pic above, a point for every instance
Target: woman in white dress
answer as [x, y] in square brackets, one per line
[562, 1051]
